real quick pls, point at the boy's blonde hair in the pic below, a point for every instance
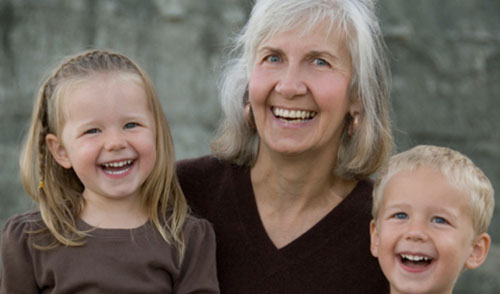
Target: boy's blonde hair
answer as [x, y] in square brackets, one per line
[58, 191]
[458, 168]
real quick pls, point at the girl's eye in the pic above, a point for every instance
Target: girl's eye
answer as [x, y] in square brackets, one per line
[273, 58]
[439, 220]
[320, 62]
[92, 131]
[400, 215]
[130, 125]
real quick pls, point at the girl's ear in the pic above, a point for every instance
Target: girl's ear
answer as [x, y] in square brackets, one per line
[479, 251]
[374, 238]
[58, 151]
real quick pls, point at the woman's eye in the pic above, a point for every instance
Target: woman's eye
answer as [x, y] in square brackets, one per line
[439, 220]
[273, 58]
[320, 62]
[130, 125]
[400, 215]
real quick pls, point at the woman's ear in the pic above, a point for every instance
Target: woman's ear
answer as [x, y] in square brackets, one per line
[249, 116]
[355, 111]
[480, 249]
[374, 238]
[356, 107]
[58, 151]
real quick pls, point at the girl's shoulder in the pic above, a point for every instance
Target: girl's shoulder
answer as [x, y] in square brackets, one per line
[31, 220]
[18, 227]
[195, 227]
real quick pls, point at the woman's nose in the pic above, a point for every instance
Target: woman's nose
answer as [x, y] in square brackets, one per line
[291, 83]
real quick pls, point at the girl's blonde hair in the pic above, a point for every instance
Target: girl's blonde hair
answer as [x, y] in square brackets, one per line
[456, 167]
[58, 191]
[369, 146]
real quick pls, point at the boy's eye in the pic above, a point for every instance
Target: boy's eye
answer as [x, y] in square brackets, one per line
[439, 220]
[400, 215]
[273, 58]
[130, 125]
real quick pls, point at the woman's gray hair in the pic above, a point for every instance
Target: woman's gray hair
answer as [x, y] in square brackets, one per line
[362, 153]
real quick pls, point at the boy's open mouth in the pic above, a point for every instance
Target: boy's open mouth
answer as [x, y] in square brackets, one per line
[415, 260]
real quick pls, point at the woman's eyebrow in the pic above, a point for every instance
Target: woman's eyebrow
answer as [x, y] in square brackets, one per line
[270, 49]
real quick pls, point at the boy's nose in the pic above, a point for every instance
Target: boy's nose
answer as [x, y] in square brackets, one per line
[416, 232]
[291, 83]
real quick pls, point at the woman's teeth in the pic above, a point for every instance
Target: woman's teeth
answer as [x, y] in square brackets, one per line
[293, 114]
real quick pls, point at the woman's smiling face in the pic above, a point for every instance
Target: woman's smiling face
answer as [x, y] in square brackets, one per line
[298, 91]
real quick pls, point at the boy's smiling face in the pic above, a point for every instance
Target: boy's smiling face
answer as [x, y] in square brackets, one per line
[423, 235]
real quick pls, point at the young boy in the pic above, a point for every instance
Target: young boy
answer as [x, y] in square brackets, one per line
[431, 210]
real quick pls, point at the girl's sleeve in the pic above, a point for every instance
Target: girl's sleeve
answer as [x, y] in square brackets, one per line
[198, 271]
[17, 268]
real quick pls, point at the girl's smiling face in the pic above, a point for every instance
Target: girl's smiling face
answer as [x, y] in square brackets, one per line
[423, 236]
[298, 91]
[108, 137]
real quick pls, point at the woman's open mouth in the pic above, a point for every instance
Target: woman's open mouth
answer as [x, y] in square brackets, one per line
[293, 115]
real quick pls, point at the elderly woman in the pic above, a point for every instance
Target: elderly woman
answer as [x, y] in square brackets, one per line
[306, 122]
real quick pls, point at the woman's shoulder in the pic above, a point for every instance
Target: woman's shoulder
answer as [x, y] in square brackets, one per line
[365, 186]
[199, 164]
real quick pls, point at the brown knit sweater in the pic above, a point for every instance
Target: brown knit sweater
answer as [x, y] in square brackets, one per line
[332, 257]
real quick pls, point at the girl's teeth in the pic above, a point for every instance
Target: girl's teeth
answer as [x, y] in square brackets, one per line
[118, 164]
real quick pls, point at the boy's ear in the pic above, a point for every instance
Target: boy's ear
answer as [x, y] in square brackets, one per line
[58, 151]
[374, 238]
[479, 251]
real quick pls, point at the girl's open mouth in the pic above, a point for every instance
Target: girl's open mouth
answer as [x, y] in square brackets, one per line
[117, 167]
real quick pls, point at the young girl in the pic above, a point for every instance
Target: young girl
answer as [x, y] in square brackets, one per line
[112, 218]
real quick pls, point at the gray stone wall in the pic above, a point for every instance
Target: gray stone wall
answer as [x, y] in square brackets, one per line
[445, 58]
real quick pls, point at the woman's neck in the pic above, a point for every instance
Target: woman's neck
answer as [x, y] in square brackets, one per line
[294, 193]
[298, 180]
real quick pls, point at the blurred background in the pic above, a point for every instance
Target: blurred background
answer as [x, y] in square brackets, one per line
[444, 56]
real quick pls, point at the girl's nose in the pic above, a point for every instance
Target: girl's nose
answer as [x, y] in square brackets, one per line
[114, 141]
[291, 83]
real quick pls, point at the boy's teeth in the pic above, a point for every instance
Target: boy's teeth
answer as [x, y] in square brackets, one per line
[118, 164]
[293, 114]
[415, 257]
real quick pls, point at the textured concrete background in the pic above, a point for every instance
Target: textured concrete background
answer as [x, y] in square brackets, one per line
[445, 58]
